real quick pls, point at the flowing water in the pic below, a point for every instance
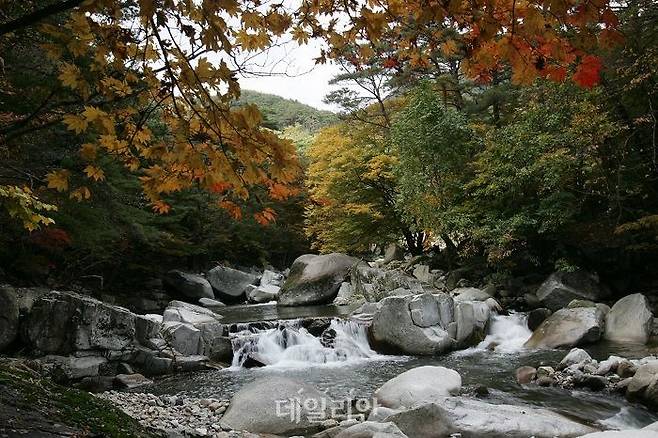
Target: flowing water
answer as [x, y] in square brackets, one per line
[345, 366]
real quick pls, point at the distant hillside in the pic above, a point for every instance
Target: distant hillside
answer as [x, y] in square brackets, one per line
[280, 113]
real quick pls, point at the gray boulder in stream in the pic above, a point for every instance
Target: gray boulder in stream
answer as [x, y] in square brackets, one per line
[189, 285]
[412, 325]
[230, 284]
[276, 405]
[418, 386]
[475, 418]
[569, 328]
[629, 320]
[315, 279]
[560, 288]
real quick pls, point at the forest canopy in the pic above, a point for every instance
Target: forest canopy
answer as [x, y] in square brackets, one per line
[515, 132]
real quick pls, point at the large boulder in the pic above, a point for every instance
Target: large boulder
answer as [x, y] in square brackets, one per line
[191, 286]
[418, 386]
[560, 288]
[629, 320]
[230, 284]
[569, 328]
[61, 322]
[8, 316]
[315, 279]
[475, 418]
[399, 326]
[184, 338]
[276, 405]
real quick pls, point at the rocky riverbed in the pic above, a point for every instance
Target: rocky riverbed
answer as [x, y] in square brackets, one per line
[453, 346]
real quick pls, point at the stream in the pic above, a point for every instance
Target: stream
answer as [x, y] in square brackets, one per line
[347, 368]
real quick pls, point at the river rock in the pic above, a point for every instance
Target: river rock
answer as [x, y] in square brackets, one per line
[275, 405]
[184, 338]
[472, 319]
[560, 288]
[418, 386]
[147, 328]
[61, 322]
[537, 316]
[525, 375]
[644, 384]
[315, 279]
[425, 421]
[230, 284]
[393, 252]
[345, 293]
[74, 368]
[568, 328]
[375, 284]
[188, 285]
[371, 429]
[8, 316]
[629, 320]
[209, 302]
[575, 356]
[271, 278]
[475, 418]
[179, 311]
[470, 294]
[393, 328]
[131, 381]
[263, 294]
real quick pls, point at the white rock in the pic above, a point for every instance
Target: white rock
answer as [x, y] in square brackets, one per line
[629, 320]
[418, 386]
[575, 356]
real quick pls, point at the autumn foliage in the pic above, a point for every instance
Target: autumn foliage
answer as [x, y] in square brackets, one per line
[123, 63]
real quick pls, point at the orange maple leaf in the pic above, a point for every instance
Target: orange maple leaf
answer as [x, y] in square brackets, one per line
[588, 72]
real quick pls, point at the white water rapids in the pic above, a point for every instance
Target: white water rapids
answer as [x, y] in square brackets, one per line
[290, 345]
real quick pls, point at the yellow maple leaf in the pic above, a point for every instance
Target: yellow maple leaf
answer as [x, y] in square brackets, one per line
[69, 76]
[58, 180]
[95, 173]
[80, 194]
[75, 123]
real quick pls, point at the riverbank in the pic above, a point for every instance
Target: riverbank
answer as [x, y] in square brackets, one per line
[33, 406]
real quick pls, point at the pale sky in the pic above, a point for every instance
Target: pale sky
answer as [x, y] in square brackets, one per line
[298, 77]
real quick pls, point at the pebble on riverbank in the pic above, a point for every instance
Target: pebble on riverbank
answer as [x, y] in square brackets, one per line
[173, 414]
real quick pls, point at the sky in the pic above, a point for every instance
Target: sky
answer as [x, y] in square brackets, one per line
[296, 75]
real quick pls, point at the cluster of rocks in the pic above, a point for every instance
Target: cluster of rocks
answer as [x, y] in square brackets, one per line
[174, 415]
[423, 402]
[582, 322]
[101, 346]
[224, 284]
[637, 379]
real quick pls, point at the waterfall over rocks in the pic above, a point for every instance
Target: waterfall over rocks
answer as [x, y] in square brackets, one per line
[288, 344]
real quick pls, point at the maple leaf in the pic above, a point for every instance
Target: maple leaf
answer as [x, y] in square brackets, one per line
[232, 208]
[58, 180]
[588, 71]
[69, 76]
[75, 123]
[80, 194]
[95, 173]
[265, 217]
[390, 63]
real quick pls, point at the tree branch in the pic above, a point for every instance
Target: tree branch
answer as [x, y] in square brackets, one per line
[38, 15]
